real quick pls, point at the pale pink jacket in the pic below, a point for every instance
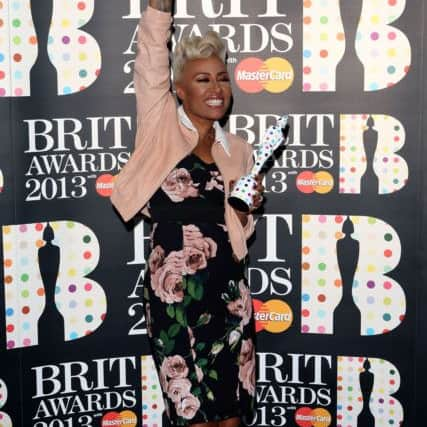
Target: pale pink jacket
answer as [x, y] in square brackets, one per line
[162, 139]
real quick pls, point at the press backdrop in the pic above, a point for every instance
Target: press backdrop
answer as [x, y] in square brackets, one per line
[337, 267]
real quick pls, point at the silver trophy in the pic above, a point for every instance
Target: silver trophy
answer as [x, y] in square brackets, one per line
[242, 195]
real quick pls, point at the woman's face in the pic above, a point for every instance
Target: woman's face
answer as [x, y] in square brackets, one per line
[204, 89]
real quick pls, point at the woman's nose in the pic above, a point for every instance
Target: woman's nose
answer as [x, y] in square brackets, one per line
[216, 86]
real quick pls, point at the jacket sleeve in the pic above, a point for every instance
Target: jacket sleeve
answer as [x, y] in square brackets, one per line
[152, 70]
[249, 228]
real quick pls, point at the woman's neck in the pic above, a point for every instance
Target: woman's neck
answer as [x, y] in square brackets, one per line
[204, 129]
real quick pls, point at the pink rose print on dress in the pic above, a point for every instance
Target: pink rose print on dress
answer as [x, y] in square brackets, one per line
[173, 376]
[194, 260]
[179, 185]
[194, 238]
[242, 306]
[156, 258]
[216, 181]
[188, 407]
[166, 282]
[247, 366]
[178, 389]
[199, 372]
[174, 367]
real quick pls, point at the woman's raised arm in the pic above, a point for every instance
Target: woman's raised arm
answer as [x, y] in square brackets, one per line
[151, 71]
[163, 5]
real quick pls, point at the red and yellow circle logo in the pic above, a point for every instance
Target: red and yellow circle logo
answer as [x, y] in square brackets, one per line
[321, 182]
[125, 418]
[253, 75]
[104, 185]
[318, 417]
[273, 316]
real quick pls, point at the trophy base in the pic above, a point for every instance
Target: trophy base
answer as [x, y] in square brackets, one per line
[238, 204]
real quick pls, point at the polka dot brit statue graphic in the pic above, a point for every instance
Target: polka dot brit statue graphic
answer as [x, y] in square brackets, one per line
[357, 36]
[347, 259]
[41, 37]
[45, 281]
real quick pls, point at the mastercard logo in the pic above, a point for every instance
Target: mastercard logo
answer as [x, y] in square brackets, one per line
[104, 185]
[318, 417]
[321, 182]
[124, 418]
[253, 75]
[273, 316]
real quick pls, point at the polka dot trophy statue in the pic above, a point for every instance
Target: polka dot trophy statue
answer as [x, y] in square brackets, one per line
[241, 198]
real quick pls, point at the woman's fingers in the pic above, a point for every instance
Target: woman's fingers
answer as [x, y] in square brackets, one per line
[258, 199]
[259, 190]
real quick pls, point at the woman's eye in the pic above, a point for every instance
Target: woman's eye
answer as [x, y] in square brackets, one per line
[203, 79]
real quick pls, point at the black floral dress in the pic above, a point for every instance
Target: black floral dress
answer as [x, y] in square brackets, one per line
[197, 301]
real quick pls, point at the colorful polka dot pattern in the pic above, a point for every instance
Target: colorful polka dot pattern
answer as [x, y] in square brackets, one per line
[386, 410]
[323, 44]
[5, 420]
[380, 299]
[391, 169]
[18, 47]
[80, 300]
[152, 402]
[75, 53]
[384, 49]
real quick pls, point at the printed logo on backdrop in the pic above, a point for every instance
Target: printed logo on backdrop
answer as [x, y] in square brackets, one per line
[5, 420]
[274, 315]
[368, 154]
[346, 263]
[275, 75]
[74, 54]
[361, 158]
[365, 393]
[346, 291]
[100, 392]
[295, 388]
[300, 388]
[354, 36]
[48, 294]
[152, 402]
[71, 158]
[243, 31]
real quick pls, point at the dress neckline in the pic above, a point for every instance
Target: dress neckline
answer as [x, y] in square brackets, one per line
[202, 161]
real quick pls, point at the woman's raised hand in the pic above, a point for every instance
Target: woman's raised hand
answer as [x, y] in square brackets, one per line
[258, 193]
[163, 5]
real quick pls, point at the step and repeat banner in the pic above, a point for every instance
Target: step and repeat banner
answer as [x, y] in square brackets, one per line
[335, 267]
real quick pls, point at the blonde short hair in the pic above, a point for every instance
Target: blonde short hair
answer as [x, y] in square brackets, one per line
[196, 47]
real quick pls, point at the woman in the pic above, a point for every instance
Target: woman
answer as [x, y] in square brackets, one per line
[197, 301]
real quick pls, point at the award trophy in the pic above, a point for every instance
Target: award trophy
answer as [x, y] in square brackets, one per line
[241, 197]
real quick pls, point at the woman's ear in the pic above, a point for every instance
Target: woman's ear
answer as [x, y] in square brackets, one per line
[180, 92]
